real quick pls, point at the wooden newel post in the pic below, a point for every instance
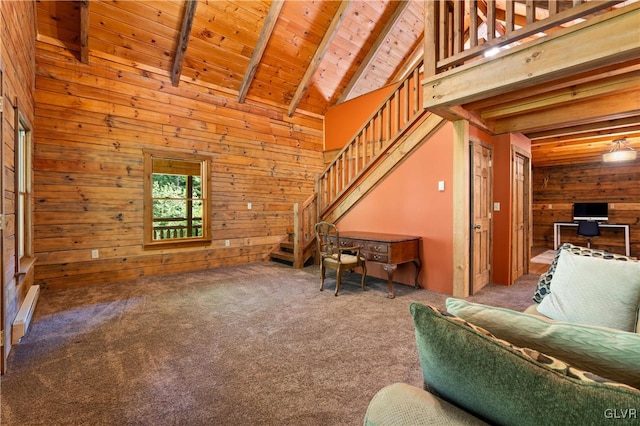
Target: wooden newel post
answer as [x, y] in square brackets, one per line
[298, 245]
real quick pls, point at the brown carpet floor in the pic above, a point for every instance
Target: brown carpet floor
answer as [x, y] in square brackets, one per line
[256, 344]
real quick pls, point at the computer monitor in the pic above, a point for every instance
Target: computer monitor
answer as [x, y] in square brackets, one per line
[591, 211]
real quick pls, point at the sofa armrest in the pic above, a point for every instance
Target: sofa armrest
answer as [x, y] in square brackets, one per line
[403, 404]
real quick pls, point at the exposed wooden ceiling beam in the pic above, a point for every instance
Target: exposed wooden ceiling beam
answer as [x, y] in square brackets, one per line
[609, 127]
[317, 57]
[621, 83]
[617, 105]
[187, 22]
[373, 51]
[84, 31]
[263, 40]
[574, 80]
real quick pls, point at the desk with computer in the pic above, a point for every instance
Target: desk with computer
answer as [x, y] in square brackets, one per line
[589, 218]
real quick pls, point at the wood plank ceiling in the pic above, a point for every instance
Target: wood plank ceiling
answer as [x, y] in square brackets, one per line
[304, 56]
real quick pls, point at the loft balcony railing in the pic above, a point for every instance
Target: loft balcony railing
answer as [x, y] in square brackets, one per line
[457, 32]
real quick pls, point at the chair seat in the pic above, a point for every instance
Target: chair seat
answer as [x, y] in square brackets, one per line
[345, 259]
[334, 255]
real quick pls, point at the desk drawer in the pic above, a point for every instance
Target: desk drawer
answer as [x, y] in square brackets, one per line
[377, 247]
[350, 243]
[376, 257]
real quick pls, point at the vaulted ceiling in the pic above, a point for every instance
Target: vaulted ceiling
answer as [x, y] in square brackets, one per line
[302, 55]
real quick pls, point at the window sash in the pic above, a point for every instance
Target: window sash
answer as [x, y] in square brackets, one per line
[183, 199]
[23, 194]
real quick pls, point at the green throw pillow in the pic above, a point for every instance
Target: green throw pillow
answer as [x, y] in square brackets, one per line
[606, 352]
[503, 384]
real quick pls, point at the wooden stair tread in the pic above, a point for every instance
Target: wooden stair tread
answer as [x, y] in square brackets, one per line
[282, 255]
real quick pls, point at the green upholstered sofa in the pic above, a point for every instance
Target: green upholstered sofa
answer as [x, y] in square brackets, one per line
[484, 364]
[471, 377]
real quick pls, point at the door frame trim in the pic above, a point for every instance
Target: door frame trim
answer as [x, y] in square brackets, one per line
[460, 188]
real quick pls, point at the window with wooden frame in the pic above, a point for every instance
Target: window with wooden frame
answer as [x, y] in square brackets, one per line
[23, 195]
[176, 199]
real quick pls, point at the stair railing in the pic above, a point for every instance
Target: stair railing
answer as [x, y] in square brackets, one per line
[396, 114]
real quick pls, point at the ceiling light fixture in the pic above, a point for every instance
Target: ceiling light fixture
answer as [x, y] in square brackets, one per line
[621, 151]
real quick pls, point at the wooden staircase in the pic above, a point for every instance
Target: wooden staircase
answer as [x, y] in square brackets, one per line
[284, 251]
[390, 134]
[299, 246]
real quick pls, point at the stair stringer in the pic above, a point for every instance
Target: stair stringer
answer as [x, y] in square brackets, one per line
[397, 153]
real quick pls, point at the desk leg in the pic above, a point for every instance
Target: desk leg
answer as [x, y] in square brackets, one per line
[627, 239]
[390, 270]
[418, 264]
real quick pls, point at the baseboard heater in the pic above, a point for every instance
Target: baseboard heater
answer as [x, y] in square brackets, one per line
[23, 319]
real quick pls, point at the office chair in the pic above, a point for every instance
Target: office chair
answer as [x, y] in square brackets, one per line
[588, 229]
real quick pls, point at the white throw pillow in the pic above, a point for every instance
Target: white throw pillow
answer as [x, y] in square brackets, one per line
[594, 291]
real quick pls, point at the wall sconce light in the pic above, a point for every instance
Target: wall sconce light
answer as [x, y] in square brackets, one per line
[621, 151]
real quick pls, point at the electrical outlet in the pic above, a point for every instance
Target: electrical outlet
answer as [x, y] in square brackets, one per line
[249, 206]
[95, 254]
[227, 243]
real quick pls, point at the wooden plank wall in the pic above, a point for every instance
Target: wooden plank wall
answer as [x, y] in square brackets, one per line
[93, 122]
[17, 62]
[556, 188]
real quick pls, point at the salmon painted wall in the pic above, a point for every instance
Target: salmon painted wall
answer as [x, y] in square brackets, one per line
[501, 236]
[501, 253]
[408, 202]
[338, 130]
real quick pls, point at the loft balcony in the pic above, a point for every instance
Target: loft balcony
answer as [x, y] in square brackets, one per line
[541, 68]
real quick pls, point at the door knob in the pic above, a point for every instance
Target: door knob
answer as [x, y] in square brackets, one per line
[476, 226]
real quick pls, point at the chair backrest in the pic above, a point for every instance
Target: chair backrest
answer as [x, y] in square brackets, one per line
[588, 228]
[328, 239]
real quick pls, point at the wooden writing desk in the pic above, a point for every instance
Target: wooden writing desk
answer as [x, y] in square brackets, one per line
[389, 250]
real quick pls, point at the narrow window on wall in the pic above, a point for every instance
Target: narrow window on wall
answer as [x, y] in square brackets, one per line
[23, 225]
[176, 199]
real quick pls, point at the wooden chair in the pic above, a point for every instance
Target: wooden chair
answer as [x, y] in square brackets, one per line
[333, 256]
